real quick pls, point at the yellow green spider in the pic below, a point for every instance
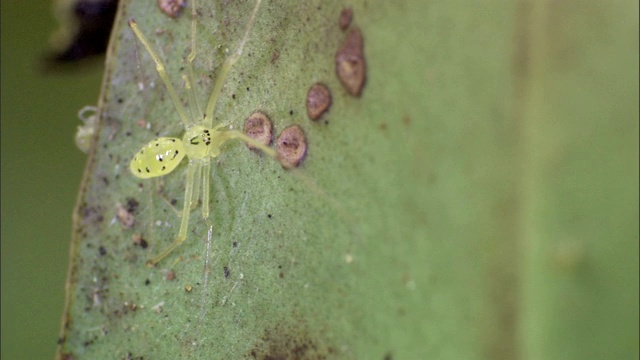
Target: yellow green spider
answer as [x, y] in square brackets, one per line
[201, 140]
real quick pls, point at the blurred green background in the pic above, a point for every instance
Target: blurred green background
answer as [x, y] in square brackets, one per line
[41, 171]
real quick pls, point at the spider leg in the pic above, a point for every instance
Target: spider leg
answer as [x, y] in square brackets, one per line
[196, 110]
[197, 178]
[235, 134]
[224, 71]
[193, 168]
[206, 172]
[162, 71]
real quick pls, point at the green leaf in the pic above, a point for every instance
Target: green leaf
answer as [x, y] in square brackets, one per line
[478, 200]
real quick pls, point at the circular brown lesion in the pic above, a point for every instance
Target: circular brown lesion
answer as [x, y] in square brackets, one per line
[351, 66]
[318, 100]
[291, 146]
[259, 127]
[345, 18]
[171, 7]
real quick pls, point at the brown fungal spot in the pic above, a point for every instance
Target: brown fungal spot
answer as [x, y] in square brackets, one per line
[171, 275]
[138, 240]
[291, 146]
[351, 67]
[345, 18]
[171, 7]
[258, 127]
[406, 120]
[124, 216]
[275, 55]
[293, 340]
[318, 101]
[132, 205]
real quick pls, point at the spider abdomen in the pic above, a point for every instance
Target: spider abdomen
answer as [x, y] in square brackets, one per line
[159, 157]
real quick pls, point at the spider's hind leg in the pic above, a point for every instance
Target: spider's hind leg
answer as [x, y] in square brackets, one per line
[193, 168]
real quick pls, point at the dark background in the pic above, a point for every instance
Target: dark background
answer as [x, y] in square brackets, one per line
[41, 171]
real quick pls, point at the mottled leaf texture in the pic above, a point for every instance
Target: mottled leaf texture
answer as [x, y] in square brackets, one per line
[478, 200]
